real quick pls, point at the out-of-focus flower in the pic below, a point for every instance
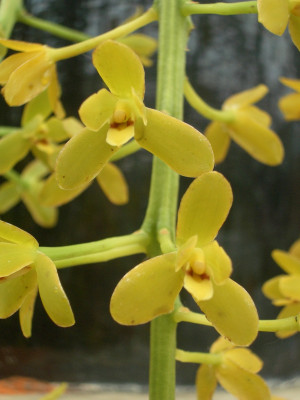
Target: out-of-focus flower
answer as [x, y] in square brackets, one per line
[290, 104]
[28, 73]
[236, 373]
[199, 264]
[26, 187]
[275, 15]
[38, 133]
[284, 290]
[143, 45]
[114, 117]
[249, 129]
[24, 271]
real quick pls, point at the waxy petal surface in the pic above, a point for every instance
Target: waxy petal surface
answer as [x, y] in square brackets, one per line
[204, 208]
[10, 233]
[290, 287]
[218, 262]
[288, 262]
[219, 139]
[14, 257]
[178, 144]
[52, 294]
[26, 312]
[200, 289]
[273, 14]
[97, 110]
[118, 137]
[147, 291]
[271, 288]
[232, 312]
[113, 183]
[120, 69]
[19, 45]
[245, 98]
[206, 382]
[10, 64]
[245, 359]
[82, 158]
[290, 106]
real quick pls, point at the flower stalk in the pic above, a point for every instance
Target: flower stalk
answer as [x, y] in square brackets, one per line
[245, 7]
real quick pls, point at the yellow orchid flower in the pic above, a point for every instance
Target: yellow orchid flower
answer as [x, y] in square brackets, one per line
[27, 187]
[114, 117]
[249, 129]
[24, 270]
[275, 15]
[110, 179]
[28, 73]
[237, 374]
[290, 104]
[199, 265]
[143, 45]
[38, 133]
[284, 290]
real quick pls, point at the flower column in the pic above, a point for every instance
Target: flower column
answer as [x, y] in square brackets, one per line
[161, 212]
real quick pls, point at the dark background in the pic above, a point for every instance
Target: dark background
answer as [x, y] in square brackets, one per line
[226, 55]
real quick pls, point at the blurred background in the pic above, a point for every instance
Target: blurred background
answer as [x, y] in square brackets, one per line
[225, 55]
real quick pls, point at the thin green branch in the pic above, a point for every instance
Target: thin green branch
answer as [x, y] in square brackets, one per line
[198, 358]
[203, 108]
[245, 7]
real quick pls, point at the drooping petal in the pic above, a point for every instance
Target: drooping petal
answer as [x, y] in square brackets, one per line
[14, 257]
[13, 148]
[219, 139]
[52, 195]
[290, 106]
[220, 345]
[97, 110]
[178, 144]
[54, 93]
[232, 312]
[10, 233]
[206, 382]
[147, 291]
[291, 310]
[273, 14]
[52, 294]
[9, 196]
[294, 29]
[291, 83]
[26, 312]
[245, 359]
[44, 216]
[120, 69]
[113, 183]
[271, 288]
[204, 208]
[259, 141]
[19, 45]
[242, 384]
[118, 137]
[82, 158]
[56, 130]
[27, 81]
[11, 63]
[14, 291]
[200, 289]
[40, 105]
[288, 262]
[245, 98]
[290, 286]
[217, 262]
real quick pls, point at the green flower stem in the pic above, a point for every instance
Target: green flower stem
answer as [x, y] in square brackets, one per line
[9, 12]
[55, 29]
[204, 109]
[126, 150]
[245, 7]
[198, 358]
[81, 252]
[102, 256]
[4, 130]
[161, 212]
[272, 325]
[14, 176]
[87, 45]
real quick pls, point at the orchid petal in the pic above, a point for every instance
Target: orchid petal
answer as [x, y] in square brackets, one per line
[56, 130]
[245, 98]
[113, 183]
[119, 136]
[147, 291]
[291, 83]
[201, 289]
[14, 257]
[232, 312]
[10, 64]
[9, 196]
[291, 310]
[82, 158]
[274, 15]
[13, 148]
[288, 262]
[219, 139]
[10, 233]
[259, 141]
[245, 359]
[19, 45]
[52, 294]
[242, 384]
[97, 110]
[185, 252]
[260, 116]
[217, 262]
[204, 208]
[206, 382]
[290, 286]
[40, 105]
[295, 249]
[294, 29]
[120, 69]
[26, 312]
[271, 288]
[290, 106]
[178, 144]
